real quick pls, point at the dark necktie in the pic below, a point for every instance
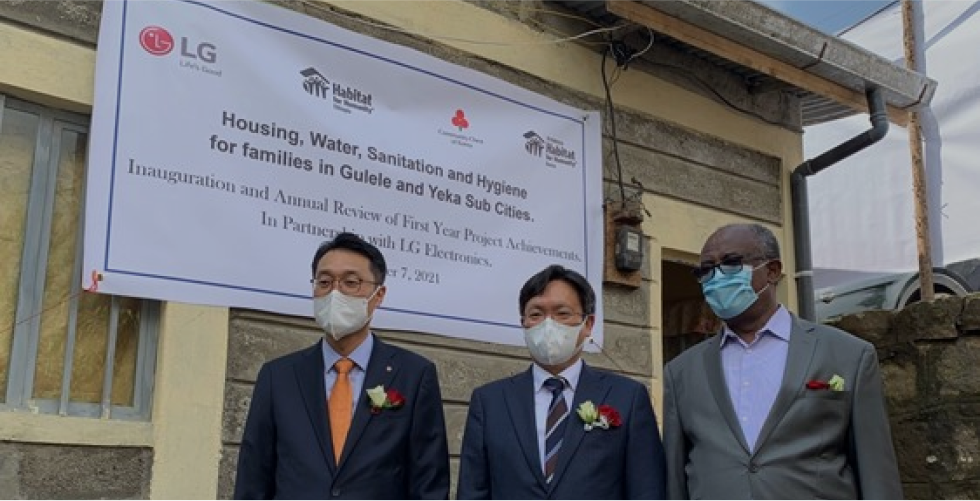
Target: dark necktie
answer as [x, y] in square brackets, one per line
[554, 425]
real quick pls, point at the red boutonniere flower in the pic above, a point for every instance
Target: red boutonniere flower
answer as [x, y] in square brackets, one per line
[610, 415]
[836, 383]
[817, 385]
[382, 399]
[605, 416]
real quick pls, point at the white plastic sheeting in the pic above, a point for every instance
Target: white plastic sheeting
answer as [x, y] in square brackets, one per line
[862, 209]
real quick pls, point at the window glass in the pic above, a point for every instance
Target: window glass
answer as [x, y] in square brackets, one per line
[70, 161]
[92, 331]
[43, 155]
[88, 369]
[18, 137]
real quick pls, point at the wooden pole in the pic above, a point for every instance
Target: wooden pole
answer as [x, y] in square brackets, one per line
[909, 8]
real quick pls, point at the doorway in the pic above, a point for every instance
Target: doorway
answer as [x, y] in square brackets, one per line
[687, 319]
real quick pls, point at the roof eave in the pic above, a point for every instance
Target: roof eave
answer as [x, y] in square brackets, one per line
[767, 41]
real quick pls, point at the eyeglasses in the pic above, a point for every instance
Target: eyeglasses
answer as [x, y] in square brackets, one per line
[566, 317]
[729, 265]
[349, 285]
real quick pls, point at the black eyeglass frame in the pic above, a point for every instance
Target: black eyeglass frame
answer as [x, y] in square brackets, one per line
[730, 264]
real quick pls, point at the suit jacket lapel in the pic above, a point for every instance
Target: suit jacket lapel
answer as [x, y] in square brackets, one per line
[309, 378]
[591, 386]
[719, 389]
[520, 404]
[802, 345]
[380, 371]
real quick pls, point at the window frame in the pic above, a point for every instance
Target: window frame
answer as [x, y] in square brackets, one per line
[52, 124]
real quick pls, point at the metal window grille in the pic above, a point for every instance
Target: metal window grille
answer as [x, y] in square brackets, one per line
[21, 392]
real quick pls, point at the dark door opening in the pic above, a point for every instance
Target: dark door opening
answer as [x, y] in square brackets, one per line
[687, 319]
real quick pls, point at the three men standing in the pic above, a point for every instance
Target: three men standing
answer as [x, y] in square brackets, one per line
[771, 407]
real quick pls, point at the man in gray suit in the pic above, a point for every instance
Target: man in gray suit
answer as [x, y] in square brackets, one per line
[773, 407]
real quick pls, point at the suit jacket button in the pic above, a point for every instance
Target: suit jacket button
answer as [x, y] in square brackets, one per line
[335, 493]
[753, 467]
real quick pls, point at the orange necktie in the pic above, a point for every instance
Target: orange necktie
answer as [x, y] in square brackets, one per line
[339, 406]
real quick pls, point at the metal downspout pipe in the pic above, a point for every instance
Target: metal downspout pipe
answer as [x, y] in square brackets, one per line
[800, 201]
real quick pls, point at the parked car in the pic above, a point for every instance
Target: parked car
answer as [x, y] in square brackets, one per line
[896, 291]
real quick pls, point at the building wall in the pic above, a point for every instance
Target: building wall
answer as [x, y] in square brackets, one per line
[44, 471]
[697, 164]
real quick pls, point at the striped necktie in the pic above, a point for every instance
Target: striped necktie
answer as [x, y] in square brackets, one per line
[554, 425]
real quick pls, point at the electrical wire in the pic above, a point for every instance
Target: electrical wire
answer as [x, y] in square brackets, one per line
[645, 49]
[883, 8]
[608, 168]
[608, 357]
[690, 75]
[544, 26]
[516, 10]
[549, 29]
[612, 124]
[58, 303]
[458, 39]
[614, 78]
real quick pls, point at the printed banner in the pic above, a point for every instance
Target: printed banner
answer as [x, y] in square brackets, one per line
[230, 139]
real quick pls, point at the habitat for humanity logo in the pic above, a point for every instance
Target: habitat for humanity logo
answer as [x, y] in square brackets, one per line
[194, 55]
[460, 123]
[553, 150]
[344, 98]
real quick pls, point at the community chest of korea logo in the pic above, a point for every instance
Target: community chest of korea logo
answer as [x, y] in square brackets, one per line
[459, 133]
[551, 150]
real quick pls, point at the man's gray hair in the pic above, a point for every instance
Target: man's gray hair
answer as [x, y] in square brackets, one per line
[767, 244]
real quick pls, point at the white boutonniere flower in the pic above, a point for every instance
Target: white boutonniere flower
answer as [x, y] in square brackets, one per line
[836, 383]
[603, 417]
[382, 399]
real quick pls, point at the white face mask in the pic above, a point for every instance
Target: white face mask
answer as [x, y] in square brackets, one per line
[552, 343]
[340, 315]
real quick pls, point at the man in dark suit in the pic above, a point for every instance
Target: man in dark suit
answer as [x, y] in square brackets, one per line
[560, 430]
[773, 407]
[351, 417]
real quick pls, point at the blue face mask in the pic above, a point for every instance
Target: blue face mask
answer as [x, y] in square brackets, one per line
[729, 295]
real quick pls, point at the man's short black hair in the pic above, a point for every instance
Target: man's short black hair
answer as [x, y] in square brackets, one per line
[536, 284]
[354, 243]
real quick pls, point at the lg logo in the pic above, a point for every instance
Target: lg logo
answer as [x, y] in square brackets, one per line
[159, 42]
[156, 40]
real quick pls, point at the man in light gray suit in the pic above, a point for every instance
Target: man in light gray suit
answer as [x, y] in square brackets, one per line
[773, 407]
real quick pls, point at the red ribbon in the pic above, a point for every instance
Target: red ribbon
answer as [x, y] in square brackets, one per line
[96, 277]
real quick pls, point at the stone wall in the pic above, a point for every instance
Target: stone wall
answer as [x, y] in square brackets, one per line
[41, 471]
[930, 361]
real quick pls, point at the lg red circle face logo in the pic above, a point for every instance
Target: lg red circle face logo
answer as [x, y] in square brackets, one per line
[156, 40]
